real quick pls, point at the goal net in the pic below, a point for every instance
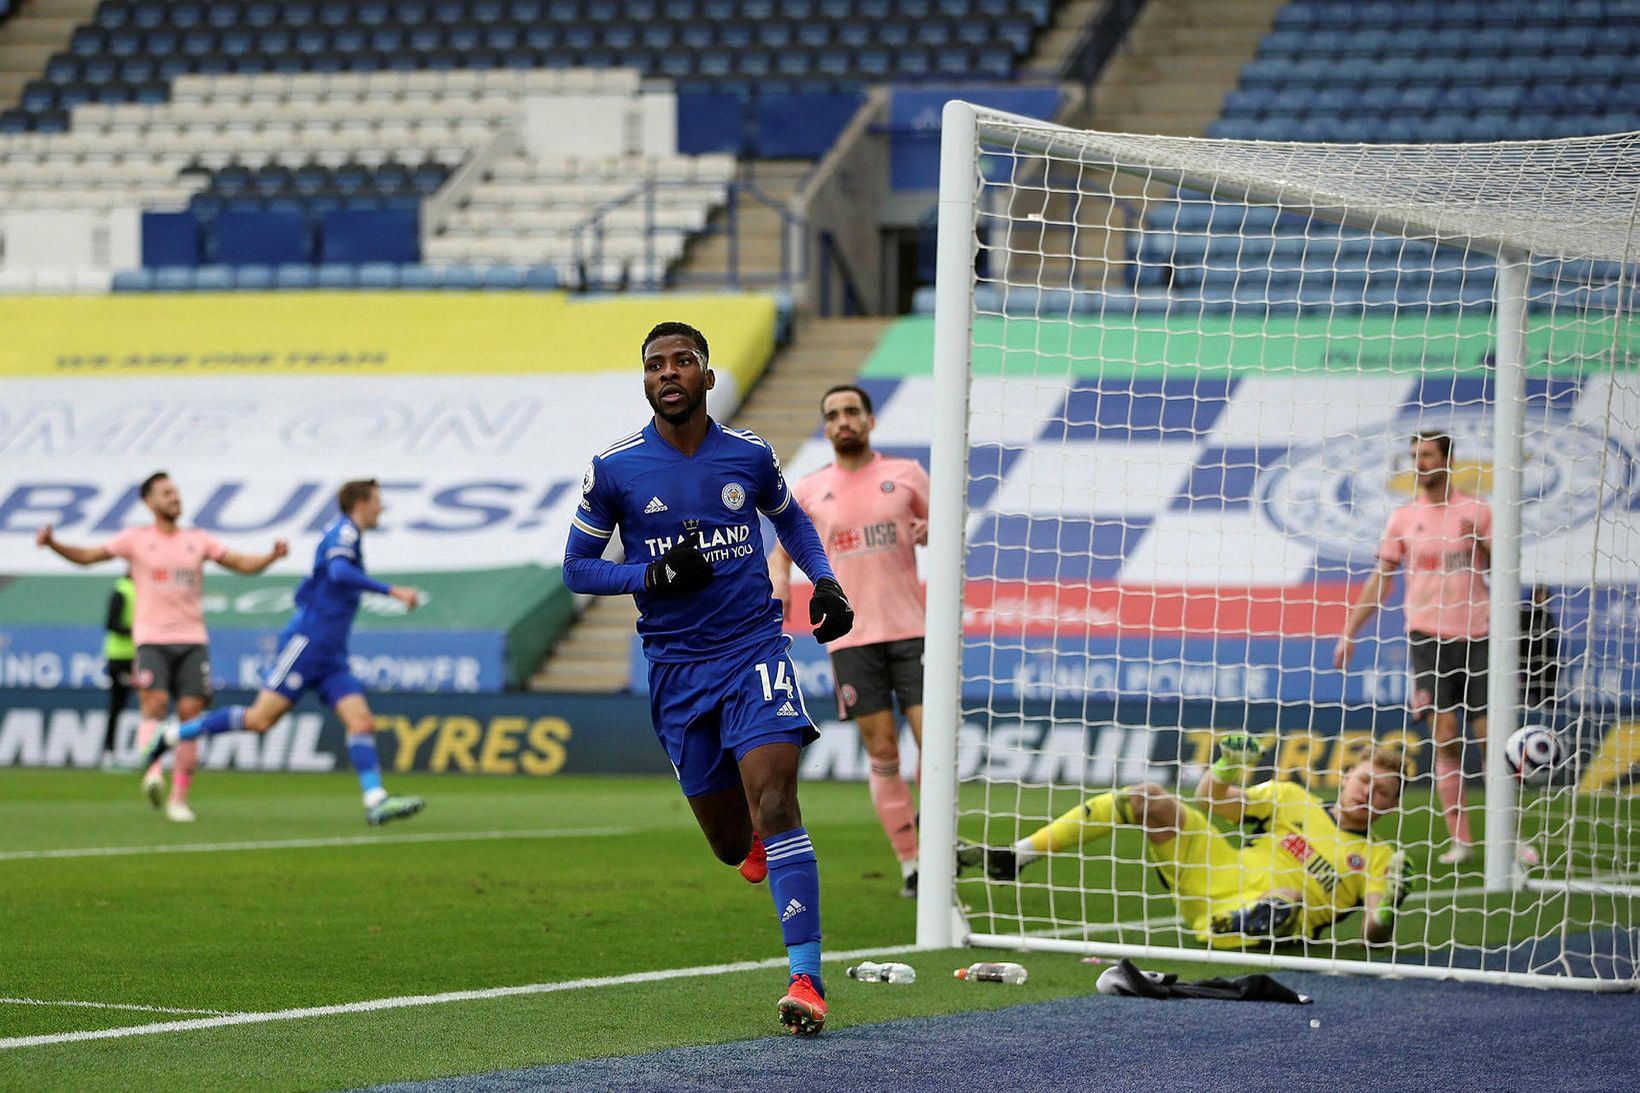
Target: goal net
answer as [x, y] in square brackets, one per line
[1177, 386]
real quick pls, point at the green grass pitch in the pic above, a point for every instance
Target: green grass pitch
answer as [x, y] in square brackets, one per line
[563, 879]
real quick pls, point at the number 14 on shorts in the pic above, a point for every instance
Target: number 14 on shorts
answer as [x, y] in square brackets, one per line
[781, 680]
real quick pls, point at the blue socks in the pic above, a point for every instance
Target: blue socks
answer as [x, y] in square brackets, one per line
[226, 719]
[361, 749]
[794, 882]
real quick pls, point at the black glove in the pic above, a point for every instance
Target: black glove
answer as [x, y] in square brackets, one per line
[829, 604]
[679, 571]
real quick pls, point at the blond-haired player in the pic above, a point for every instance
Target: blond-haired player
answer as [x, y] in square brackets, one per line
[1303, 864]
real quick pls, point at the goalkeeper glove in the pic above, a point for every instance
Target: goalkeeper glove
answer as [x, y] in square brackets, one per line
[829, 612]
[1396, 889]
[1238, 755]
[680, 571]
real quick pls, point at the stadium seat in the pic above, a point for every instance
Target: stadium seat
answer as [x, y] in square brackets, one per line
[294, 276]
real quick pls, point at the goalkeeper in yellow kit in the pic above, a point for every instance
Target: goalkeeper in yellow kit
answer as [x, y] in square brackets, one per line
[1302, 865]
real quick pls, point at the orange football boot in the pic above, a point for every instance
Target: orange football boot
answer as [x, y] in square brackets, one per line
[803, 1011]
[756, 866]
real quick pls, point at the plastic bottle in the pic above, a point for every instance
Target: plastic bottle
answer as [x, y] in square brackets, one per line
[872, 972]
[992, 972]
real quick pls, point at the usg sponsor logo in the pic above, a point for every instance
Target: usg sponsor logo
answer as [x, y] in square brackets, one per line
[1338, 494]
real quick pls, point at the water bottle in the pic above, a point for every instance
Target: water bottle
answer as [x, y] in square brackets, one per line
[992, 972]
[872, 972]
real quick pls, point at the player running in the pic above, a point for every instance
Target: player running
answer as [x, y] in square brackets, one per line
[1443, 539]
[313, 655]
[723, 696]
[871, 511]
[168, 623]
[1302, 866]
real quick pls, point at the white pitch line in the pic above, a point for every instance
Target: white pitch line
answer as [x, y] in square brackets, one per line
[304, 844]
[108, 1006]
[408, 1001]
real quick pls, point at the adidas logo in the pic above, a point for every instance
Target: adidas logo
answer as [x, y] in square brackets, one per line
[787, 709]
[655, 505]
[792, 910]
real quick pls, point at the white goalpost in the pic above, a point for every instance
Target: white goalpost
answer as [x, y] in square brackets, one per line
[1176, 384]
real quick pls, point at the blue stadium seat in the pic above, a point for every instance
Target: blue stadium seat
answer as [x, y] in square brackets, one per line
[378, 275]
[253, 278]
[148, 14]
[111, 15]
[173, 279]
[295, 275]
[133, 280]
[462, 279]
[336, 275]
[335, 13]
[421, 277]
[213, 279]
[223, 14]
[63, 68]
[89, 41]
[503, 278]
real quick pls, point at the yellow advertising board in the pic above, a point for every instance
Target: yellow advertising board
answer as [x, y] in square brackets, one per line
[354, 333]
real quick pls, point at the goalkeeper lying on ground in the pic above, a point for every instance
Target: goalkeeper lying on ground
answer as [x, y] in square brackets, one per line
[1302, 866]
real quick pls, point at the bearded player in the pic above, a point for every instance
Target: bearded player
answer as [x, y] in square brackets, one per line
[168, 622]
[1442, 538]
[723, 696]
[1302, 865]
[871, 511]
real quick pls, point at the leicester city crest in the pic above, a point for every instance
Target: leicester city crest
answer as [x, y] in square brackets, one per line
[734, 496]
[1337, 494]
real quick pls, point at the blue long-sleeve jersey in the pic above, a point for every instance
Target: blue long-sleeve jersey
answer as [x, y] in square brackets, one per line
[655, 494]
[329, 598]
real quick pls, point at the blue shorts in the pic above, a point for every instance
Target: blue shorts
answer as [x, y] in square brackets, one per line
[301, 667]
[709, 714]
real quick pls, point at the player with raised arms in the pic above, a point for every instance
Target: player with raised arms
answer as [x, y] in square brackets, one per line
[1442, 538]
[871, 511]
[1302, 865]
[168, 621]
[685, 492]
[313, 654]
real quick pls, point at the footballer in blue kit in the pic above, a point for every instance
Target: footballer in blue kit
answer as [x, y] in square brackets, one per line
[313, 655]
[685, 493]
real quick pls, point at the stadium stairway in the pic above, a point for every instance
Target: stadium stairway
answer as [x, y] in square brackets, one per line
[1059, 40]
[1179, 60]
[757, 246]
[1177, 64]
[783, 409]
[37, 30]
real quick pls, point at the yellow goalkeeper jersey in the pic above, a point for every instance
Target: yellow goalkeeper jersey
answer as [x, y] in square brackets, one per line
[1295, 843]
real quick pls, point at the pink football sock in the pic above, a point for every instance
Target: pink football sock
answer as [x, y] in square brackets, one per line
[892, 799]
[1449, 784]
[182, 771]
